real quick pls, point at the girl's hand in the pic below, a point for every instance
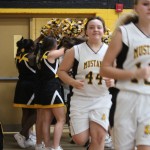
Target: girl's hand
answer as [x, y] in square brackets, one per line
[78, 84]
[109, 82]
[142, 73]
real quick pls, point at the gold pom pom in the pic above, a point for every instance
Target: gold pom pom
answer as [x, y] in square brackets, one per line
[107, 36]
[60, 28]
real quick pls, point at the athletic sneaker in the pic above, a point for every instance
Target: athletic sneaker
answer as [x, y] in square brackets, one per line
[87, 143]
[58, 148]
[20, 140]
[30, 143]
[32, 135]
[87, 147]
[39, 147]
[108, 142]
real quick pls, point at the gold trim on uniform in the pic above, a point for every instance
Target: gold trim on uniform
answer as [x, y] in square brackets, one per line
[147, 129]
[56, 75]
[23, 106]
[24, 58]
[103, 117]
[49, 106]
[45, 55]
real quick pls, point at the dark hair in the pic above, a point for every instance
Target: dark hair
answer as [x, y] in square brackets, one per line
[24, 45]
[93, 18]
[28, 44]
[48, 43]
[68, 42]
[19, 45]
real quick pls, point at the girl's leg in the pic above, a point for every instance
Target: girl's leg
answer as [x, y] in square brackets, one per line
[47, 119]
[143, 147]
[25, 114]
[79, 128]
[28, 120]
[98, 134]
[60, 116]
[81, 138]
[39, 134]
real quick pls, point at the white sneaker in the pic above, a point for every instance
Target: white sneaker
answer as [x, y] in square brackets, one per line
[58, 148]
[39, 147]
[32, 136]
[20, 140]
[108, 142]
[30, 143]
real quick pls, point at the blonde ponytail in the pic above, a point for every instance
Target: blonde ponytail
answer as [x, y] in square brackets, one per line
[127, 18]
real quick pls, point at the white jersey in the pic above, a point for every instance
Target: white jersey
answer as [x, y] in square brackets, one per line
[135, 54]
[88, 64]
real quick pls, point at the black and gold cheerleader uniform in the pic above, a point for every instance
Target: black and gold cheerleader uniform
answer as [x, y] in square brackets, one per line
[25, 88]
[48, 93]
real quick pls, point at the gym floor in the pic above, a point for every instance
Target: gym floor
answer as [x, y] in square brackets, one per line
[11, 144]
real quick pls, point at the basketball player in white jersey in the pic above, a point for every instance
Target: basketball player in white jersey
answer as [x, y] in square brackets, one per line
[91, 101]
[130, 46]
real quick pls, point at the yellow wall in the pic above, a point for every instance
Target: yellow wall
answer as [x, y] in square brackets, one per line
[9, 29]
[110, 16]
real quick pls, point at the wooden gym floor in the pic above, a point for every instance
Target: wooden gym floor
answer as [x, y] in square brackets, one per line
[11, 144]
